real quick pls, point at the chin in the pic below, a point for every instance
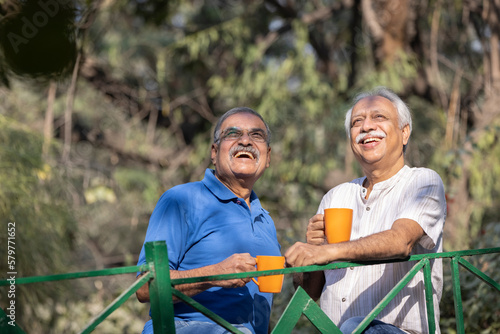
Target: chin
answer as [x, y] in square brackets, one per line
[243, 172]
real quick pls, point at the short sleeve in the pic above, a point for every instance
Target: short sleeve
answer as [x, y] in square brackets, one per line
[425, 203]
[169, 223]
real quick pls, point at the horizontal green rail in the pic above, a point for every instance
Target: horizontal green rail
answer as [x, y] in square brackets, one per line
[82, 274]
[162, 290]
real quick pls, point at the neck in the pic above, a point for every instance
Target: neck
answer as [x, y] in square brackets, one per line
[239, 187]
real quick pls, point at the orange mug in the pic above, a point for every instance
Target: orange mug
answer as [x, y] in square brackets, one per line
[272, 283]
[338, 224]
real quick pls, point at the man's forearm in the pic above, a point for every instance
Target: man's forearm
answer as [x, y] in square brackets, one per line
[189, 289]
[391, 244]
[192, 289]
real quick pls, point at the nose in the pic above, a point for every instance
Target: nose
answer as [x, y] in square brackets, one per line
[245, 138]
[368, 125]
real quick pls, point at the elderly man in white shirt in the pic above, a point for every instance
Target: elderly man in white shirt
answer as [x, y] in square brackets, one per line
[397, 211]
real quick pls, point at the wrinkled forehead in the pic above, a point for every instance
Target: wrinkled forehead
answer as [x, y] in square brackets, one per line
[373, 103]
[243, 120]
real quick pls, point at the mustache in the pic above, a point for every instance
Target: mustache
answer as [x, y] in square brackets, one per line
[362, 136]
[242, 148]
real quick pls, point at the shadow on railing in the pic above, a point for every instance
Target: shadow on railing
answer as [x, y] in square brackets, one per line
[162, 288]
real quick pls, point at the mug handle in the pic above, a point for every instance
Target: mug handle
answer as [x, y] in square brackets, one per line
[253, 278]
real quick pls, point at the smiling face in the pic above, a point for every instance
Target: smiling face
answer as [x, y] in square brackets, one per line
[376, 139]
[242, 153]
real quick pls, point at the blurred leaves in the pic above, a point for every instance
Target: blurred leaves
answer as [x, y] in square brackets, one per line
[138, 180]
[26, 197]
[34, 197]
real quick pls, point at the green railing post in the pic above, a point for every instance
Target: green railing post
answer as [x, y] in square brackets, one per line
[429, 296]
[457, 295]
[387, 299]
[485, 278]
[6, 326]
[300, 304]
[160, 288]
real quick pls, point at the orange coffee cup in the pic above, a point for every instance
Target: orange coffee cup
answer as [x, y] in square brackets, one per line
[272, 283]
[338, 224]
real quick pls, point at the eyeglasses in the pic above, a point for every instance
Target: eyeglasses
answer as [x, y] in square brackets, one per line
[233, 133]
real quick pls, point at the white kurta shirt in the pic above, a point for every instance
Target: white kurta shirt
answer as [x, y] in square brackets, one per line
[413, 193]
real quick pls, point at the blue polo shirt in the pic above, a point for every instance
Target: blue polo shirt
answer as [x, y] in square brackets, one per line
[204, 223]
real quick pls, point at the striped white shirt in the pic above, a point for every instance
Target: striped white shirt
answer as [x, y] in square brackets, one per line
[413, 193]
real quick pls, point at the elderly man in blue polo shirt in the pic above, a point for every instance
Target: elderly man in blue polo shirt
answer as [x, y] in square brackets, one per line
[218, 226]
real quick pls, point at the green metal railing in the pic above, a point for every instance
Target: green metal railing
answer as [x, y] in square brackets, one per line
[162, 288]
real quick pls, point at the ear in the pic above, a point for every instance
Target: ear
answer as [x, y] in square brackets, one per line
[268, 161]
[406, 134]
[213, 153]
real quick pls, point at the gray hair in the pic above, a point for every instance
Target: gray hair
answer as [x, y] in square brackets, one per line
[238, 110]
[404, 113]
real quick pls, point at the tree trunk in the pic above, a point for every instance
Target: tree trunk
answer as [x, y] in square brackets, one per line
[387, 22]
[48, 126]
[68, 123]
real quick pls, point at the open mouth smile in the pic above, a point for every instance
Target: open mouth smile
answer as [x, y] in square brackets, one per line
[244, 152]
[370, 140]
[247, 155]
